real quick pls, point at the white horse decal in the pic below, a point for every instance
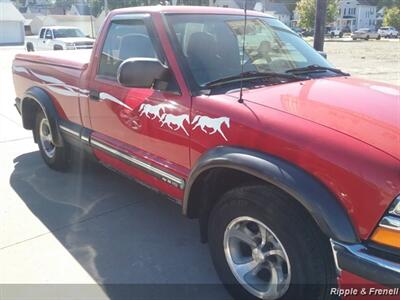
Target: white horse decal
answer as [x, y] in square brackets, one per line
[204, 121]
[175, 120]
[154, 110]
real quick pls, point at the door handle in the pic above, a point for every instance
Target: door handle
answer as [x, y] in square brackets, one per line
[94, 95]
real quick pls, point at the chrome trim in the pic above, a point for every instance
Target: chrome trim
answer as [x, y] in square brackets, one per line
[66, 129]
[359, 260]
[390, 223]
[395, 207]
[164, 176]
[85, 138]
[338, 269]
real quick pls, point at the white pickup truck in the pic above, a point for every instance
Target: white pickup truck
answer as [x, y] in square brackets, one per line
[58, 38]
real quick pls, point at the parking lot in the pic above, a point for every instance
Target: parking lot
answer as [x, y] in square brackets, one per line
[373, 60]
[89, 226]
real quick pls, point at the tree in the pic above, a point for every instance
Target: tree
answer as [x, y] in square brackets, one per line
[392, 17]
[306, 11]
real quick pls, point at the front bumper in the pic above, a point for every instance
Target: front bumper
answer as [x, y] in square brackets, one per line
[363, 261]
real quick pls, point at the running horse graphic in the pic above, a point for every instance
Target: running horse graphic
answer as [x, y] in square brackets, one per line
[154, 110]
[214, 123]
[176, 121]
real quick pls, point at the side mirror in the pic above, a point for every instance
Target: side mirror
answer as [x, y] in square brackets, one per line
[323, 54]
[141, 72]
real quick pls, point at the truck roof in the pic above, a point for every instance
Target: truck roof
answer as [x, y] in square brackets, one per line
[188, 10]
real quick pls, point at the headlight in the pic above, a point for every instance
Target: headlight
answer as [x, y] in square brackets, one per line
[395, 208]
[388, 231]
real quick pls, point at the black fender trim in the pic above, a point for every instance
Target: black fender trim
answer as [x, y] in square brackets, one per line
[43, 99]
[323, 206]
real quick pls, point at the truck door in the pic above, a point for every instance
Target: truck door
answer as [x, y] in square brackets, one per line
[41, 40]
[48, 40]
[147, 128]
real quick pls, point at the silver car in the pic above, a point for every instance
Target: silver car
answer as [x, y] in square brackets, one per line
[365, 34]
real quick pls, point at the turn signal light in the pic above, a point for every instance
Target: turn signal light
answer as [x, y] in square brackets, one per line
[386, 237]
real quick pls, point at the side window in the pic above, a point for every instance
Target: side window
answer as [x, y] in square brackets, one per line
[42, 33]
[125, 39]
[49, 34]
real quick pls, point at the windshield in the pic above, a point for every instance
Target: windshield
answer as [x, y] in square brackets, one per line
[68, 32]
[211, 46]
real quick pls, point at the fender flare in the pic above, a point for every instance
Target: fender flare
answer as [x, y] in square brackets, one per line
[317, 199]
[43, 99]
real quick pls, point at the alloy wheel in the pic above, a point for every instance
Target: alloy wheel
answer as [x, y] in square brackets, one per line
[46, 139]
[257, 258]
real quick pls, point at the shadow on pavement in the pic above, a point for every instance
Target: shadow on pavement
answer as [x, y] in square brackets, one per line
[120, 232]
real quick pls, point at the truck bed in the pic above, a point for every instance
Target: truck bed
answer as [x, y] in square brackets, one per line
[76, 59]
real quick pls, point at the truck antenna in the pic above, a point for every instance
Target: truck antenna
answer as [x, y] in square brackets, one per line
[243, 49]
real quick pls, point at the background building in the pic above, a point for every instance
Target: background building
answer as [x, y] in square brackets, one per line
[356, 14]
[11, 24]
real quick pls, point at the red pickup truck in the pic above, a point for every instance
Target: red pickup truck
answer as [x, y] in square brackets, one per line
[291, 166]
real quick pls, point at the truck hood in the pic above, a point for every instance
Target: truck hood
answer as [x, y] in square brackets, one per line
[75, 40]
[366, 110]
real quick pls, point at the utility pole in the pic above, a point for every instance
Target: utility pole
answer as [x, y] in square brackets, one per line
[319, 30]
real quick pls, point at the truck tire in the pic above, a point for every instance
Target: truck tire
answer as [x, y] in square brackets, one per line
[258, 236]
[57, 47]
[29, 47]
[55, 157]
[378, 37]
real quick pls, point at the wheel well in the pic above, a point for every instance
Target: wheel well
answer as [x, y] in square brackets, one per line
[216, 182]
[212, 184]
[208, 189]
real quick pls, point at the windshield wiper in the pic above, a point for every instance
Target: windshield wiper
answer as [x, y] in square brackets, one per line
[252, 75]
[316, 68]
